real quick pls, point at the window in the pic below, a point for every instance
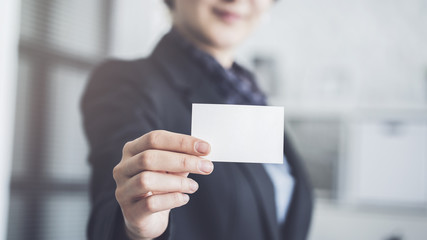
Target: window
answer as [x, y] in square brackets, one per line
[61, 42]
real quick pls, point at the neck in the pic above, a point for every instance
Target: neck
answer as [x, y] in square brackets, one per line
[224, 56]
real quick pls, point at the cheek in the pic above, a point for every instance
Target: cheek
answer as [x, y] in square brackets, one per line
[200, 14]
[260, 7]
[191, 11]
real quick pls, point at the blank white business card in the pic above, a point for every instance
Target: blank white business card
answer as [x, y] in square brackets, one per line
[240, 133]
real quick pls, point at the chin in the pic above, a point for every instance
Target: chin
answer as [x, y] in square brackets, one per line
[226, 37]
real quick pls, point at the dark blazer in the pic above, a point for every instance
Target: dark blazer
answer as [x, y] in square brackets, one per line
[126, 99]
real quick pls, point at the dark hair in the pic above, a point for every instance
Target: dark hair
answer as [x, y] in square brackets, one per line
[169, 3]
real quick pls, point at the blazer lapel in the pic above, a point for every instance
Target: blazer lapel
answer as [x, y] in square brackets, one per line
[299, 213]
[182, 70]
[264, 193]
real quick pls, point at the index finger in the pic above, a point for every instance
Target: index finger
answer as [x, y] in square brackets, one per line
[167, 141]
[157, 160]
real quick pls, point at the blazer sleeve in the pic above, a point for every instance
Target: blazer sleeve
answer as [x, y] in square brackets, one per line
[115, 109]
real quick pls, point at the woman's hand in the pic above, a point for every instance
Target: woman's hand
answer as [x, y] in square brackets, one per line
[152, 179]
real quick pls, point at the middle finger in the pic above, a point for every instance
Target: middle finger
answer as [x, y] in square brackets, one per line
[158, 160]
[148, 181]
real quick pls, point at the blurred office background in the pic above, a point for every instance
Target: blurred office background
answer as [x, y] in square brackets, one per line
[352, 76]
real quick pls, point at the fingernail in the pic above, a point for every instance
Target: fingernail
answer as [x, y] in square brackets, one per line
[205, 166]
[185, 198]
[193, 185]
[202, 147]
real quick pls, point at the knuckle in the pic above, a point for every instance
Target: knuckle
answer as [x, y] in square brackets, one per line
[184, 162]
[146, 159]
[184, 184]
[153, 138]
[145, 181]
[177, 198]
[182, 143]
[116, 171]
[151, 204]
[126, 147]
[118, 195]
[187, 163]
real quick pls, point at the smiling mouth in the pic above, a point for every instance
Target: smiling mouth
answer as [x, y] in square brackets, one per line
[227, 16]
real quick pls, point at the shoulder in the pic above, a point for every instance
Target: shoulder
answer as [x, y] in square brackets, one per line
[115, 71]
[130, 76]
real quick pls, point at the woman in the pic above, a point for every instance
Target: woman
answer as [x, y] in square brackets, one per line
[140, 173]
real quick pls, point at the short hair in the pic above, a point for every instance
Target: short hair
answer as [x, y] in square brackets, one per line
[169, 3]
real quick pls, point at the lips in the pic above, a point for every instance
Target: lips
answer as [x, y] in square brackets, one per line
[227, 16]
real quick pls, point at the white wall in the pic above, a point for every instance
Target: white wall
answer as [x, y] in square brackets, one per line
[9, 31]
[137, 26]
[344, 52]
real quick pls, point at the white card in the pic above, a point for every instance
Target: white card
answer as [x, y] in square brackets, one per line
[240, 133]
